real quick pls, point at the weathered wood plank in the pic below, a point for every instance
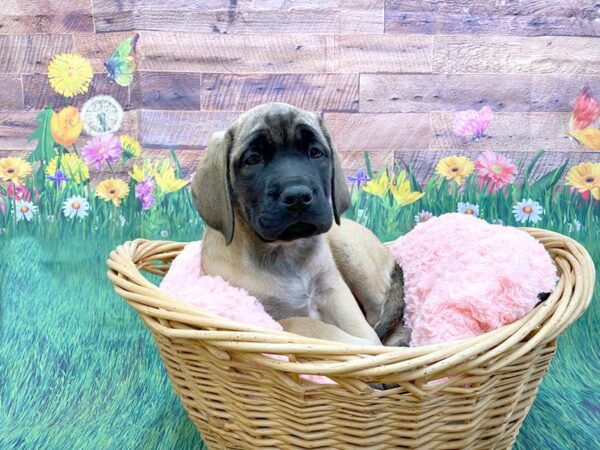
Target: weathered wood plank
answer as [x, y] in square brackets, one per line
[511, 54]
[315, 92]
[166, 90]
[38, 93]
[507, 132]
[379, 131]
[31, 53]
[423, 93]
[383, 53]
[531, 18]
[11, 92]
[195, 52]
[181, 129]
[42, 16]
[242, 16]
[423, 163]
[353, 160]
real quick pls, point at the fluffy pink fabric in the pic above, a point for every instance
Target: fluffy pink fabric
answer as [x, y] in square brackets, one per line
[464, 277]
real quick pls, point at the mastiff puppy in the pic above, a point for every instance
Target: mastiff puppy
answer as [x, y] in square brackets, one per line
[271, 192]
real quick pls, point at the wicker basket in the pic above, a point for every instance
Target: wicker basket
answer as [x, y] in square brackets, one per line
[470, 394]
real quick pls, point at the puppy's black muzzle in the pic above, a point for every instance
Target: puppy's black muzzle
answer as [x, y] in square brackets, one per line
[296, 198]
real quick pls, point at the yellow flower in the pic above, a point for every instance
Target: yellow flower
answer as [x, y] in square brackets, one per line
[14, 169]
[70, 74]
[379, 186]
[455, 168]
[140, 173]
[131, 147]
[167, 182]
[66, 126]
[112, 189]
[71, 165]
[585, 177]
[402, 193]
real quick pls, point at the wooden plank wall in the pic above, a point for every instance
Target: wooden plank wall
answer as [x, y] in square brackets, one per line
[386, 75]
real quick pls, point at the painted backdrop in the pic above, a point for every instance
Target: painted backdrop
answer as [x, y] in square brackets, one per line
[485, 108]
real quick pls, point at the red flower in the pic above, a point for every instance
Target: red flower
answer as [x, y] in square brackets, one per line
[585, 111]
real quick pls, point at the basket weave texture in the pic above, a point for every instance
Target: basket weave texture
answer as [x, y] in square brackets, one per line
[469, 394]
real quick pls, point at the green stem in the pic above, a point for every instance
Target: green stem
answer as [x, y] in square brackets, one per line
[75, 150]
[111, 169]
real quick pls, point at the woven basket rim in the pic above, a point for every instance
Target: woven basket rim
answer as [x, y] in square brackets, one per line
[166, 315]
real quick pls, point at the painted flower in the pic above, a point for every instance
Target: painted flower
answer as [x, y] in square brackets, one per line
[423, 216]
[131, 147]
[527, 211]
[122, 221]
[58, 178]
[585, 111]
[495, 171]
[14, 169]
[113, 190]
[18, 192]
[25, 210]
[65, 126]
[145, 192]
[402, 193]
[379, 186]
[164, 233]
[103, 148]
[471, 123]
[456, 168]
[140, 173]
[167, 182]
[51, 218]
[76, 206]
[359, 178]
[468, 208]
[70, 74]
[575, 225]
[101, 114]
[585, 179]
[71, 166]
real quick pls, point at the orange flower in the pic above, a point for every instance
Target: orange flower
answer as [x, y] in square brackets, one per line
[66, 126]
[585, 111]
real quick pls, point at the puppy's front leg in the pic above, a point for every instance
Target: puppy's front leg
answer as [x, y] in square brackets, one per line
[338, 307]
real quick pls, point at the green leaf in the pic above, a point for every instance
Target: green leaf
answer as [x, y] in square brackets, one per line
[44, 150]
[368, 165]
[548, 181]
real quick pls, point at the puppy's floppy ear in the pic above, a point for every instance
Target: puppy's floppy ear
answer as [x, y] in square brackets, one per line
[340, 195]
[211, 185]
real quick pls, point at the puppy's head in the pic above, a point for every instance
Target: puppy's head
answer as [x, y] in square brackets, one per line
[277, 168]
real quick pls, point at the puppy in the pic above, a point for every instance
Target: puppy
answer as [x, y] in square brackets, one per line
[269, 190]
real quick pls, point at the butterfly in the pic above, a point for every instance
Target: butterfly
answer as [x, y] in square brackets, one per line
[471, 123]
[585, 112]
[121, 64]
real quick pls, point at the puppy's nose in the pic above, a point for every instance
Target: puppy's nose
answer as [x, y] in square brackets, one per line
[296, 197]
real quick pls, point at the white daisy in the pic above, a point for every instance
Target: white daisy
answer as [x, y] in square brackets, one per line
[164, 233]
[468, 208]
[423, 216]
[122, 220]
[101, 114]
[527, 211]
[25, 210]
[575, 225]
[76, 206]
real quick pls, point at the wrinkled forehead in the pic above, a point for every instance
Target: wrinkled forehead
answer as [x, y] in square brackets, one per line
[279, 127]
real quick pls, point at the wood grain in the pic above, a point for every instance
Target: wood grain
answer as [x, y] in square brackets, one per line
[383, 53]
[530, 18]
[315, 92]
[11, 93]
[242, 16]
[512, 54]
[97, 48]
[181, 129]
[353, 160]
[166, 90]
[379, 131]
[42, 16]
[424, 93]
[507, 132]
[38, 93]
[31, 53]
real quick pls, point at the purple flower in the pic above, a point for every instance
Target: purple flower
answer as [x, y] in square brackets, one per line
[58, 177]
[105, 147]
[360, 178]
[144, 190]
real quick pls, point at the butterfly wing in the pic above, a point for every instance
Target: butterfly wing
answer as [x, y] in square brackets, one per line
[590, 137]
[121, 64]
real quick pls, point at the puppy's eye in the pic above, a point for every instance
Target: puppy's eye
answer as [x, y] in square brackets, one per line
[315, 153]
[252, 159]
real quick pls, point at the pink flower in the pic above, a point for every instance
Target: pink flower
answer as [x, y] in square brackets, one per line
[144, 191]
[495, 170]
[105, 147]
[19, 192]
[471, 123]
